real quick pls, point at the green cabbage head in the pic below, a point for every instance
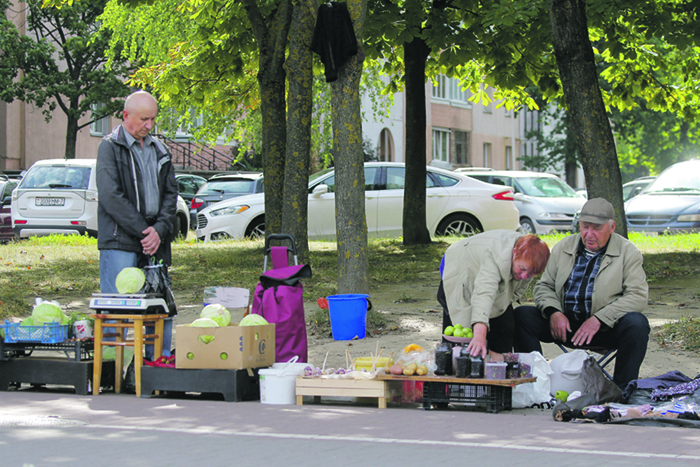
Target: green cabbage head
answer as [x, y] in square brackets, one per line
[130, 280]
[204, 323]
[217, 313]
[47, 312]
[253, 320]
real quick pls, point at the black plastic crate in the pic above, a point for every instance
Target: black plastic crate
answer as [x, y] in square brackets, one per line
[493, 398]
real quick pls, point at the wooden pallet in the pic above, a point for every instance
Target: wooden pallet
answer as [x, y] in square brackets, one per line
[317, 387]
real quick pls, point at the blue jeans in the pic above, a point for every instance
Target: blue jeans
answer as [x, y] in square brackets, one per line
[111, 264]
[629, 336]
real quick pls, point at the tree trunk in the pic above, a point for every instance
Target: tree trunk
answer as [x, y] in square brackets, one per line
[71, 137]
[271, 35]
[575, 60]
[296, 172]
[350, 219]
[415, 231]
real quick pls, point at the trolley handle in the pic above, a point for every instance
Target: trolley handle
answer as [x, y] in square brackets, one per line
[267, 250]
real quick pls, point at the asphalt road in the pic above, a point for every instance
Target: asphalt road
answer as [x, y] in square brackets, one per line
[60, 429]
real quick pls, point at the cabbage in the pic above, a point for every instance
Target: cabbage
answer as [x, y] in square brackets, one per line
[27, 322]
[205, 339]
[47, 312]
[217, 313]
[204, 323]
[253, 320]
[130, 280]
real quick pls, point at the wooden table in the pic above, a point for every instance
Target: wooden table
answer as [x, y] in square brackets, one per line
[372, 388]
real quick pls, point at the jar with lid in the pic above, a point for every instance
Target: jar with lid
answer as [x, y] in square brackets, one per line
[443, 359]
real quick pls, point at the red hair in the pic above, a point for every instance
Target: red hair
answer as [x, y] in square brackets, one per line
[531, 249]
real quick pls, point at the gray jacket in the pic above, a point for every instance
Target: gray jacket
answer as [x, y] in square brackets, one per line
[119, 188]
[619, 287]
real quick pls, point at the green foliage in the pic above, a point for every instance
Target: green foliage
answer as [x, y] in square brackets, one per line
[62, 58]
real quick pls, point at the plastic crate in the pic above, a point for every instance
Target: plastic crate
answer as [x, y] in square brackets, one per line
[49, 333]
[492, 397]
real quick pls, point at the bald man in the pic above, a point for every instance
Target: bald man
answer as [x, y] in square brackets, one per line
[137, 197]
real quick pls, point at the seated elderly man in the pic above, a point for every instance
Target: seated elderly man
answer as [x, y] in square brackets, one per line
[591, 293]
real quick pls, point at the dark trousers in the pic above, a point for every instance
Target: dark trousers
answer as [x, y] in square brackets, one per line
[629, 336]
[501, 329]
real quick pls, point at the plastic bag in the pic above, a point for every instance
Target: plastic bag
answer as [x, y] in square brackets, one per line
[529, 394]
[158, 281]
[594, 381]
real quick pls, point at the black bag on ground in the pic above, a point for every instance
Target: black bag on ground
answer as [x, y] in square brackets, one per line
[595, 382]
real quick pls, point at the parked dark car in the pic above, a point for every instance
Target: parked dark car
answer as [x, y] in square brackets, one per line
[188, 185]
[671, 204]
[6, 187]
[225, 186]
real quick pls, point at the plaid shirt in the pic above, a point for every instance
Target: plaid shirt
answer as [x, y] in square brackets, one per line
[579, 286]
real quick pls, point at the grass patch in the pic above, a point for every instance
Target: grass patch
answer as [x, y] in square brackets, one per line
[683, 333]
[56, 267]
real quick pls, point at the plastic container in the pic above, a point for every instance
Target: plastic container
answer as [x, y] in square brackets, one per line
[463, 367]
[348, 313]
[278, 385]
[495, 370]
[49, 333]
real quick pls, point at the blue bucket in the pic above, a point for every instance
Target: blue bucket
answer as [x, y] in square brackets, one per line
[348, 314]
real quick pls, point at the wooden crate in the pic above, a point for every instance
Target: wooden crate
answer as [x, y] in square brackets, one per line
[317, 387]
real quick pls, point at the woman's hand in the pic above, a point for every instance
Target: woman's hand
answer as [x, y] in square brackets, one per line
[477, 346]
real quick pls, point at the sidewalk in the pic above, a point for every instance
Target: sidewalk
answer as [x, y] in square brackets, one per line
[49, 428]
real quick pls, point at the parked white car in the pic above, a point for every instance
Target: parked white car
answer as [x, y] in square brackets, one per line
[59, 196]
[545, 202]
[456, 204]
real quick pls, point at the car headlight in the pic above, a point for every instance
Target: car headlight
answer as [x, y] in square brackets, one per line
[689, 218]
[228, 210]
[554, 215]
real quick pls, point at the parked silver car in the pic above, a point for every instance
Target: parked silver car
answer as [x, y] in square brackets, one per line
[544, 201]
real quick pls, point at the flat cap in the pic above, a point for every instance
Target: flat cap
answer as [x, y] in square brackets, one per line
[597, 211]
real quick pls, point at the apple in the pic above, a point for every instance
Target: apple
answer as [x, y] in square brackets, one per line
[468, 333]
[449, 330]
[458, 326]
[458, 333]
[561, 396]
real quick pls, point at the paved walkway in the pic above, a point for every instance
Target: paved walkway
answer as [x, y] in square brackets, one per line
[57, 429]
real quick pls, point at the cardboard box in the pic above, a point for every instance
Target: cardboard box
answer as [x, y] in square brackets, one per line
[243, 346]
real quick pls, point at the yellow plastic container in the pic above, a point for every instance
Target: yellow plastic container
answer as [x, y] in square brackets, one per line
[365, 363]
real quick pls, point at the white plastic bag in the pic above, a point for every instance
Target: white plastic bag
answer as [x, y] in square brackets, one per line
[529, 394]
[567, 372]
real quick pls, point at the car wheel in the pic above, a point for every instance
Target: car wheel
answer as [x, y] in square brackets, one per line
[461, 225]
[256, 229]
[527, 226]
[177, 227]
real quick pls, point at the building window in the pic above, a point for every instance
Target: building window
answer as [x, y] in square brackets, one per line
[487, 154]
[488, 109]
[509, 157]
[450, 89]
[441, 145]
[386, 146]
[440, 87]
[100, 127]
[462, 148]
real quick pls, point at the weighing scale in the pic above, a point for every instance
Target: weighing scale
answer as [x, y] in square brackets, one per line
[130, 304]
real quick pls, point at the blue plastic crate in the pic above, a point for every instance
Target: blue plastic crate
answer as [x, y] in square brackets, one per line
[49, 333]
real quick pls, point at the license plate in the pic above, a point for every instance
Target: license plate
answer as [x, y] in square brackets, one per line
[50, 201]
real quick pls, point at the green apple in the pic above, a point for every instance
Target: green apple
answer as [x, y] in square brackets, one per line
[561, 396]
[449, 330]
[458, 326]
[468, 333]
[458, 333]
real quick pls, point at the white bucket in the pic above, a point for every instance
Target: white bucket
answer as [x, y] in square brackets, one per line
[278, 385]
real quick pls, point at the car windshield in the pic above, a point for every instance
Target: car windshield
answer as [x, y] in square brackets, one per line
[46, 176]
[545, 187]
[237, 186]
[323, 172]
[678, 178]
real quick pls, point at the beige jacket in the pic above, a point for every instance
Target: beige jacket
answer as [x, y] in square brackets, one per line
[619, 287]
[477, 277]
